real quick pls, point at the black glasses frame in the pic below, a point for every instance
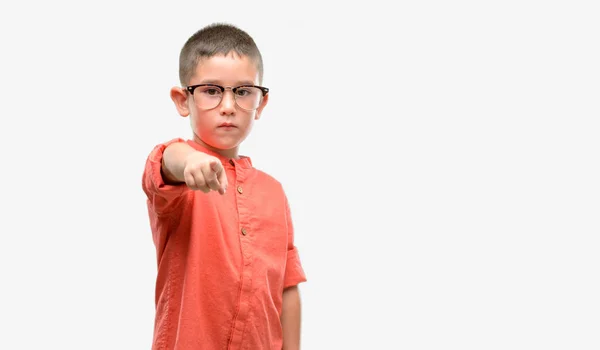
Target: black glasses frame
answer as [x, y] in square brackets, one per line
[191, 88]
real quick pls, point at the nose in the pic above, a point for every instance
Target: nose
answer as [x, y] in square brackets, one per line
[227, 103]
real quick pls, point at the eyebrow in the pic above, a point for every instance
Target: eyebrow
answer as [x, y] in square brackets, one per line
[217, 82]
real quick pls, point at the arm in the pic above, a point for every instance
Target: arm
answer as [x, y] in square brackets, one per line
[294, 274]
[290, 318]
[182, 163]
[173, 162]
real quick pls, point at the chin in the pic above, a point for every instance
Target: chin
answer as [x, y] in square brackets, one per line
[224, 145]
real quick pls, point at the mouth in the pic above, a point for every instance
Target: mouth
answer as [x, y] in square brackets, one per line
[227, 125]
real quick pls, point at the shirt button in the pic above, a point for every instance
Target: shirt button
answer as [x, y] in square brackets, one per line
[240, 189]
[244, 231]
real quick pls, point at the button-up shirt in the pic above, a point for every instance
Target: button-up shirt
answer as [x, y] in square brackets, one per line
[223, 261]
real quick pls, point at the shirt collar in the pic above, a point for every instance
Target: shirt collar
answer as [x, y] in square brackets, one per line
[242, 161]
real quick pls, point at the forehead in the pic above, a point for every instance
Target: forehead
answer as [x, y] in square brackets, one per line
[230, 69]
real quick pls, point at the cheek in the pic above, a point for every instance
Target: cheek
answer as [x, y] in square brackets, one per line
[251, 116]
[203, 126]
[249, 120]
[197, 123]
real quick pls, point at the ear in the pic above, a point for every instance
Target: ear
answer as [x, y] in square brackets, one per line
[261, 107]
[180, 97]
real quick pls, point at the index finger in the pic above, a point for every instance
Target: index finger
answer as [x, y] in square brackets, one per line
[221, 176]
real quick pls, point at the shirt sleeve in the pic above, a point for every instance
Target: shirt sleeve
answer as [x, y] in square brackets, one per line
[162, 197]
[294, 273]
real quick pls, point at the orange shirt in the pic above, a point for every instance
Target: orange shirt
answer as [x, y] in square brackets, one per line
[223, 260]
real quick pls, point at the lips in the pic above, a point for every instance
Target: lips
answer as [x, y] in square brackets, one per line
[227, 125]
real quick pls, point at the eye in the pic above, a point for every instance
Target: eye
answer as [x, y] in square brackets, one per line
[212, 91]
[242, 92]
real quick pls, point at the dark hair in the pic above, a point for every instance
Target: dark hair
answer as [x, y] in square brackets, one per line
[216, 39]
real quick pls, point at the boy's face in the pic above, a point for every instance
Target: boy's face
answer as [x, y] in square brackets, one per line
[210, 125]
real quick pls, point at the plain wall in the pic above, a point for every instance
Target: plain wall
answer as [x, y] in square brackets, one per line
[441, 162]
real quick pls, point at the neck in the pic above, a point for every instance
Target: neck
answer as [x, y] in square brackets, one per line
[227, 153]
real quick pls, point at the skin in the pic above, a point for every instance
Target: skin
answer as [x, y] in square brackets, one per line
[290, 318]
[181, 163]
[203, 172]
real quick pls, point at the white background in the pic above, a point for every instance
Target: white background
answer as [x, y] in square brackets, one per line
[441, 161]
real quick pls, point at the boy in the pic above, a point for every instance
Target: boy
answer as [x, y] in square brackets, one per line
[228, 269]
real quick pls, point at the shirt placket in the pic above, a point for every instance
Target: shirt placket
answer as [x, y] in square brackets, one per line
[245, 235]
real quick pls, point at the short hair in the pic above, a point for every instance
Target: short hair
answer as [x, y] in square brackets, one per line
[216, 39]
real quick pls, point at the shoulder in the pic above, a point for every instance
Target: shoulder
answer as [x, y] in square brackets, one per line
[158, 148]
[269, 182]
[267, 178]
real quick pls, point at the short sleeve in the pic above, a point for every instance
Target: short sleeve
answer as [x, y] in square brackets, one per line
[294, 273]
[162, 197]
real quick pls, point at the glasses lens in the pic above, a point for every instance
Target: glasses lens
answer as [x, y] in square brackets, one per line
[207, 97]
[248, 97]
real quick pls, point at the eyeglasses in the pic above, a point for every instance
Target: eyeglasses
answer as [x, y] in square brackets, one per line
[209, 96]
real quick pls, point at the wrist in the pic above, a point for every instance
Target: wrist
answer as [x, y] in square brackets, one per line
[175, 159]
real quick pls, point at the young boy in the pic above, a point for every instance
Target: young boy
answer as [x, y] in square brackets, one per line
[228, 269]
